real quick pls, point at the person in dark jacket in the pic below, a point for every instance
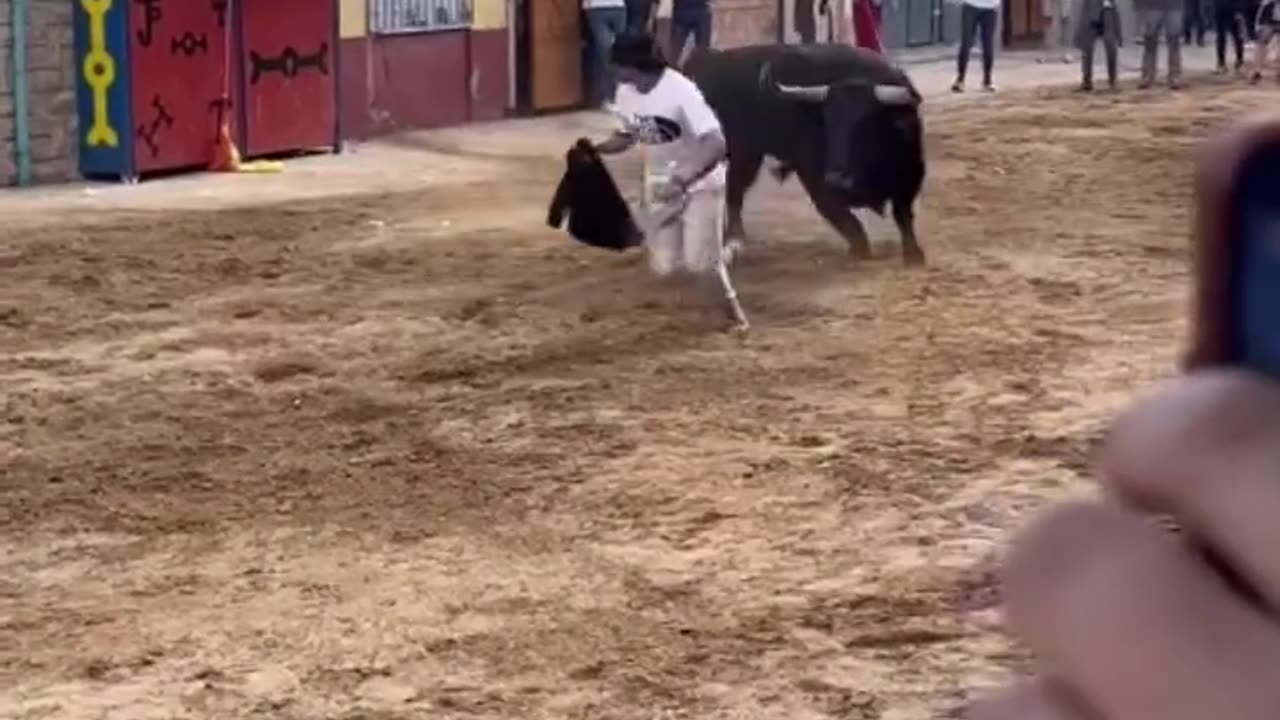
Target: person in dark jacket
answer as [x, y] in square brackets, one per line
[1226, 23]
[1195, 17]
[1097, 20]
[1249, 13]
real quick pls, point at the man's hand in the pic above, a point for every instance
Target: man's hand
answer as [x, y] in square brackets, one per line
[615, 143]
[1128, 621]
[673, 188]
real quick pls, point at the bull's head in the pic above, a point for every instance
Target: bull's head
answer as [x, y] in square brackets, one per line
[860, 121]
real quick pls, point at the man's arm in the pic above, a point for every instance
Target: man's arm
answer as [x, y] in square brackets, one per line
[617, 142]
[708, 151]
[709, 147]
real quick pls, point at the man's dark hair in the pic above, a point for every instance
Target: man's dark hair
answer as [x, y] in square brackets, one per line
[638, 51]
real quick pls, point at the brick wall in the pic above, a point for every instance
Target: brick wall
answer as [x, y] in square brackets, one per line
[50, 88]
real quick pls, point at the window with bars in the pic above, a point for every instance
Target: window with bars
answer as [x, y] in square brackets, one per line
[402, 16]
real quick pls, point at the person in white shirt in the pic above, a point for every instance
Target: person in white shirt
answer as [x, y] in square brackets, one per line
[977, 17]
[665, 112]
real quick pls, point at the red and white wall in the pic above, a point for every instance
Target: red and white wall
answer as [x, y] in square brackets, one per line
[423, 78]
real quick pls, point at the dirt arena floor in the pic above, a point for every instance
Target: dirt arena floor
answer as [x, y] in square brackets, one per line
[412, 454]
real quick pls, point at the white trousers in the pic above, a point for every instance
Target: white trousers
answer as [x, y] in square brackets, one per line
[694, 242]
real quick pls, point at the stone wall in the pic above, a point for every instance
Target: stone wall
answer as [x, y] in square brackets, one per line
[51, 92]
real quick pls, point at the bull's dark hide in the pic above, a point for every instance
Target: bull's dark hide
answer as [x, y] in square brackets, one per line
[598, 214]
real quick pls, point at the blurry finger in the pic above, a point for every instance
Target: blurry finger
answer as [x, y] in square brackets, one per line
[1032, 700]
[1207, 451]
[1137, 626]
[1216, 177]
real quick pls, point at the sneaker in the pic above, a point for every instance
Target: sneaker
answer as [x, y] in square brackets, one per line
[1085, 87]
[957, 86]
[988, 87]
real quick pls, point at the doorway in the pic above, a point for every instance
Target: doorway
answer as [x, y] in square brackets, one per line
[548, 50]
[924, 22]
[1024, 23]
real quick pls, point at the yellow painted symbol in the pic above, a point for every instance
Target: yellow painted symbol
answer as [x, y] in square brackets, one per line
[100, 73]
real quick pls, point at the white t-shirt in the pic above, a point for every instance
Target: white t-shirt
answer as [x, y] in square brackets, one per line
[667, 120]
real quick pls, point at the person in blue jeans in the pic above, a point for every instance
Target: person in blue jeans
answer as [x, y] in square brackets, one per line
[639, 13]
[689, 17]
[606, 20]
[977, 21]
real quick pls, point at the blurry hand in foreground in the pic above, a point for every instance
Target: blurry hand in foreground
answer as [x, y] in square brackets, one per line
[1128, 621]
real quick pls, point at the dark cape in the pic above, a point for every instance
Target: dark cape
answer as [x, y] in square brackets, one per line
[598, 214]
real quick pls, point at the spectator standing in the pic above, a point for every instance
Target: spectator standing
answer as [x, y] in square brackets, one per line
[1268, 24]
[689, 18]
[1097, 20]
[1056, 13]
[1195, 21]
[1249, 11]
[806, 22]
[977, 19]
[1156, 19]
[639, 15]
[606, 19]
[1226, 22]
[866, 25]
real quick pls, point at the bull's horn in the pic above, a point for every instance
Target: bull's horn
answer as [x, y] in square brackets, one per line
[894, 95]
[810, 93]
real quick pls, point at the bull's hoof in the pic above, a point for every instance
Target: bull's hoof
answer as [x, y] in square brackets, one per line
[913, 258]
[860, 252]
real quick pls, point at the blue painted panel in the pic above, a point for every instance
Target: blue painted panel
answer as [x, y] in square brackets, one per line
[102, 87]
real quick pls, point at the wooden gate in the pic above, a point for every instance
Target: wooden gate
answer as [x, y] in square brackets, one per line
[555, 53]
[1023, 22]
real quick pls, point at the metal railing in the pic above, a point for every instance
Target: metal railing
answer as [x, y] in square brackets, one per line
[405, 16]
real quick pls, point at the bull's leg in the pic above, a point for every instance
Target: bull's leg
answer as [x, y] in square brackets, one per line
[836, 211]
[905, 217]
[743, 169]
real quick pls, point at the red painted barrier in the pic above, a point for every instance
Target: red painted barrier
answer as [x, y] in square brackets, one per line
[177, 60]
[289, 58]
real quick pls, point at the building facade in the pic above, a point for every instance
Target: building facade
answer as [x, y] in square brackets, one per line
[422, 64]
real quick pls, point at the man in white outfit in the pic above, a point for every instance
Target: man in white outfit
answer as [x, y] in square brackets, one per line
[665, 112]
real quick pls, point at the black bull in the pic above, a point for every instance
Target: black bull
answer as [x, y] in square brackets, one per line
[843, 119]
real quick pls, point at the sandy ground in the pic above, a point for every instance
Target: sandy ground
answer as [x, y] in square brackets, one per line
[411, 454]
